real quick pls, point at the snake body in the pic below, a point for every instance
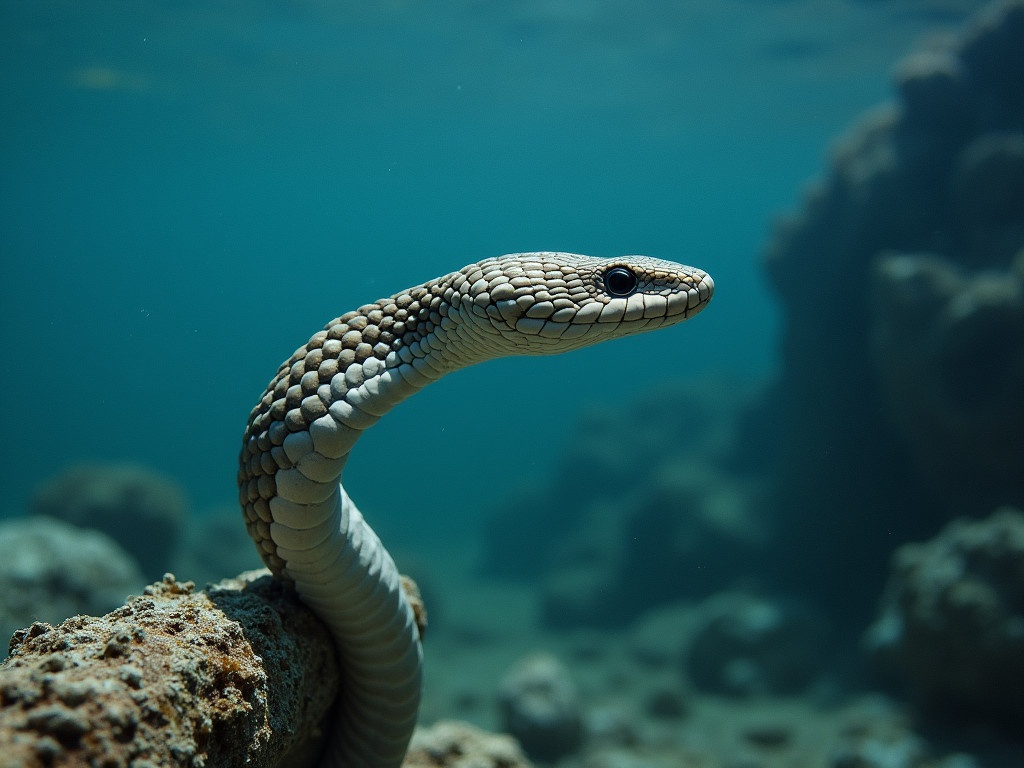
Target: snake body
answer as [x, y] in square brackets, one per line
[347, 376]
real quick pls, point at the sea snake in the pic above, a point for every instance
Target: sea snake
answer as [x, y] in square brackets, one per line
[308, 531]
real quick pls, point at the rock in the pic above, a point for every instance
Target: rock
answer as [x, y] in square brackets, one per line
[452, 744]
[637, 518]
[50, 570]
[664, 512]
[987, 198]
[932, 84]
[992, 52]
[748, 646]
[141, 510]
[606, 458]
[239, 675]
[939, 172]
[951, 622]
[948, 354]
[685, 530]
[539, 706]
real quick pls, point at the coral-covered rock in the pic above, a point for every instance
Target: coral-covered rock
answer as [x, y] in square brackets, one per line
[952, 619]
[140, 509]
[452, 744]
[540, 707]
[748, 646]
[50, 570]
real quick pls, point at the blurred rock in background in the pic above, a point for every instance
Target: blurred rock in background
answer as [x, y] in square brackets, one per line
[50, 570]
[951, 623]
[651, 501]
[140, 509]
[903, 346]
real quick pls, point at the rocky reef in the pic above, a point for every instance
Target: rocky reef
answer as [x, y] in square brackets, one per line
[637, 518]
[903, 346]
[626, 698]
[140, 509]
[951, 623]
[947, 344]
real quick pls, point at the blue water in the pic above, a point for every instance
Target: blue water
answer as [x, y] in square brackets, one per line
[189, 190]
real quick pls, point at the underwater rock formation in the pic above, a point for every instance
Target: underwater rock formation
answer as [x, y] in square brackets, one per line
[174, 677]
[948, 352]
[452, 744]
[667, 509]
[951, 622]
[50, 570]
[748, 646]
[682, 532]
[922, 201]
[138, 508]
[540, 707]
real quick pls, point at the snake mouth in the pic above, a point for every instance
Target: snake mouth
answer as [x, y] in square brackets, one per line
[695, 299]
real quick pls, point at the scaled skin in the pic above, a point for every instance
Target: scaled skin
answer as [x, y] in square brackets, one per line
[351, 373]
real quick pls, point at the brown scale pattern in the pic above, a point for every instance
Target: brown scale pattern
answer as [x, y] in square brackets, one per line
[291, 400]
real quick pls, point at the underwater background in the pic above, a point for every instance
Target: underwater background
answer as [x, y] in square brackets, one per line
[188, 191]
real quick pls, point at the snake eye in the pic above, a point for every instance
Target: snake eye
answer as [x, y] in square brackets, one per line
[619, 281]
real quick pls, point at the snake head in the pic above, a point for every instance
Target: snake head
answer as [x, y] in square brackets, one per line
[544, 303]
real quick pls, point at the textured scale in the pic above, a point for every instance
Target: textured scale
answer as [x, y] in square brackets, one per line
[351, 373]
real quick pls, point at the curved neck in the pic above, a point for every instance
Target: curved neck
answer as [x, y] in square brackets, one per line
[357, 397]
[335, 387]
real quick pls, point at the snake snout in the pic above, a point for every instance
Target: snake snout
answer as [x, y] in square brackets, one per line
[705, 290]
